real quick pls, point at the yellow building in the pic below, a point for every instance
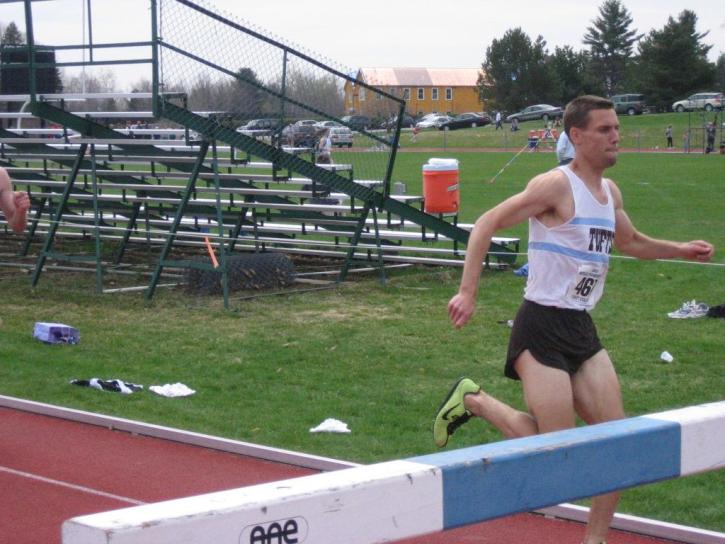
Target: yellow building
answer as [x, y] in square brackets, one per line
[425, 90]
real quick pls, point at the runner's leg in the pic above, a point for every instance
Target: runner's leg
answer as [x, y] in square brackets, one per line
[597, 398]
[547, 393]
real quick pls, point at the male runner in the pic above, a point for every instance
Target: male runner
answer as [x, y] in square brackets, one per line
[575, 216]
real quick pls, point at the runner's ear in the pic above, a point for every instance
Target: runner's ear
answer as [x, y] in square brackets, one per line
[575, 135]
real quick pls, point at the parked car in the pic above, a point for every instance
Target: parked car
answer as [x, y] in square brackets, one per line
[300, 135]
[631, 104]
[427, 117]
[466, 120]
[327, 124]
[357, 122]
[538, 111]
[391, 123]
[700, 101]
[341, 136]
[433, 122]
[260, 125]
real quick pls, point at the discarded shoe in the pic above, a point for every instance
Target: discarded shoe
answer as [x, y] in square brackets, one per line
[689, 310]
[452, 413]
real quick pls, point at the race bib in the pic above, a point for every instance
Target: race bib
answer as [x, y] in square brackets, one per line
[587, 282]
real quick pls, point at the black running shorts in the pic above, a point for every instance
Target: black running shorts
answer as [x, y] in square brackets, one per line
[556, 337]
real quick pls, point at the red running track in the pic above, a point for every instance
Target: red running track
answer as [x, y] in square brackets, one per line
[53, 469]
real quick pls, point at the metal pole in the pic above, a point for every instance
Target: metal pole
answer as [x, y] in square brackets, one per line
[83, 49]
[31, 50]
[282, 100]
[96, 223]
[156, 101]
[508, 163]
[220, 223]
[394, 150]
[90, 33]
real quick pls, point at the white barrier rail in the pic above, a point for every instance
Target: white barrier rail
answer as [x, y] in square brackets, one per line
[400, 499]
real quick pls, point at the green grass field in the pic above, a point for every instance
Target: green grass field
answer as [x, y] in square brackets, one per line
[641, 132]
[381, 358]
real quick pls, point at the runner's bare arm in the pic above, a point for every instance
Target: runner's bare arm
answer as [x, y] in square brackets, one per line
[14, 204]
[541, 194]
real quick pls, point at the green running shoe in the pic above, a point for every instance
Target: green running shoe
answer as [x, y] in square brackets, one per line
[452, 414]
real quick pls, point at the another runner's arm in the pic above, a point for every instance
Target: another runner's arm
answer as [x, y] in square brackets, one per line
[630, 241]
[14, 205]
[541, 194]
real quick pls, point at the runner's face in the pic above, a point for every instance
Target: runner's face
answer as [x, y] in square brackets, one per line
[599, 140]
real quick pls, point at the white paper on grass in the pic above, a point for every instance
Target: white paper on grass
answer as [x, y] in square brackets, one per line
[331, 425]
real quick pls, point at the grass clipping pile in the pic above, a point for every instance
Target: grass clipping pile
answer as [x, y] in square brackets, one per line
[252, 272]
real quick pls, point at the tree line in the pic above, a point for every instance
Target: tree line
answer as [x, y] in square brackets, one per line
[665, 65]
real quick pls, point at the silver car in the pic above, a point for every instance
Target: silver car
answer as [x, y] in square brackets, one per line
[341, 136]
[434, 121]
[538, 111]
[700, 101]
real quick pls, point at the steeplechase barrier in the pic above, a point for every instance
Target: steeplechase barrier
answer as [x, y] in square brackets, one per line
[431, 493]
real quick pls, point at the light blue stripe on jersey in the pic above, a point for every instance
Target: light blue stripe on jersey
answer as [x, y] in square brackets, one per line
[569, 252]
[593, 221]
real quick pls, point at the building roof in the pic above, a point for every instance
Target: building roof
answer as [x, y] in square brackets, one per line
[420, 77]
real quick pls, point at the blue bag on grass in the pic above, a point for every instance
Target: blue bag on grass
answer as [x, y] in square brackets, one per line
[56, 333]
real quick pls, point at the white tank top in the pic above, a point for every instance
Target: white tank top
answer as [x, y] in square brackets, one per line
[568, 263]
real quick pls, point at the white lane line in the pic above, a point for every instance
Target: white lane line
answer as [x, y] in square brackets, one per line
[68, 485]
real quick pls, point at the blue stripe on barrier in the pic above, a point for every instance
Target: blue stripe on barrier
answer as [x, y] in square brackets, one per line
[493, 480]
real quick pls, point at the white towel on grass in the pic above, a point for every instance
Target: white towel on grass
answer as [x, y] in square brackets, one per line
[331, 425]
[172, 390]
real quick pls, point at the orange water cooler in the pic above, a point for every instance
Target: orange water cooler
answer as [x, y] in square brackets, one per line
[440, 186]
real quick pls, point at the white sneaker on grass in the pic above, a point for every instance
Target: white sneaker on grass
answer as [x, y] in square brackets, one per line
[689, 310]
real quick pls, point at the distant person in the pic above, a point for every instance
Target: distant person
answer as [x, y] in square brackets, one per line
[415, 132]
[499, 124]
[324, 148]
[710, 131]
[514, 124]
[14, 204]
[668, 135]
[565, 151]
[576, 217]
[547, 131]
[686, 141]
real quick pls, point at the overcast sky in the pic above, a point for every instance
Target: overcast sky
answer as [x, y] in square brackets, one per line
[374, 33]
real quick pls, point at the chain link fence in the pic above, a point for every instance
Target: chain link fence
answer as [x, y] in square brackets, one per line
[239, 73]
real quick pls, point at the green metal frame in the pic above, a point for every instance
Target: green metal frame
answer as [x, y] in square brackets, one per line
[333, 180]
[54, 114]
[213, 131]
[47, 250]
[166, 250]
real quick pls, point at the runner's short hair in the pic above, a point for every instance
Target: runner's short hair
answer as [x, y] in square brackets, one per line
[577, 111]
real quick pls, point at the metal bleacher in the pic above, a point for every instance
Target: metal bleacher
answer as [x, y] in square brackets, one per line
[198, 179]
